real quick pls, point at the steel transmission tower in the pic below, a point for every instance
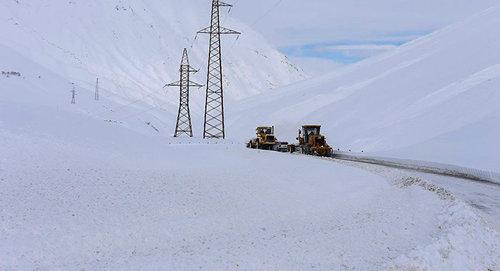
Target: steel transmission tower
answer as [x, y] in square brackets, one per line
[96, 94]
[73, 94]
[184, 126]
[214, 104]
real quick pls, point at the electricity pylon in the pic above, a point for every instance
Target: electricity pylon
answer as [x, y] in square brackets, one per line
[214, 103]
[73, 94]
[184, 126]
[96, 94]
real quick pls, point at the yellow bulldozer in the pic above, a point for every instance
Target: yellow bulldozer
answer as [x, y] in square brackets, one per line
[265, 139]
[311, 142]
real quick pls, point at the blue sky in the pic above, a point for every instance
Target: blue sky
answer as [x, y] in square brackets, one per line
[343, 52]
[322, 35]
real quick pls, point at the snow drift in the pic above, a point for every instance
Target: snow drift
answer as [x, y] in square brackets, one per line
[435, 99]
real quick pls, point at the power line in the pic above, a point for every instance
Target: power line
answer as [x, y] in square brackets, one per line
[150, 94]
[266, 13]
[99, 89]
[135, 101]
[74, 94]
[142, 112]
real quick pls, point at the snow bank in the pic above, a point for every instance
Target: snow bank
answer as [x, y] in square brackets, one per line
[465, 242]
[423, 166]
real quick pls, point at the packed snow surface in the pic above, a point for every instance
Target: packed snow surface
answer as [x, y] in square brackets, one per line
[109, 203]
[434, 99]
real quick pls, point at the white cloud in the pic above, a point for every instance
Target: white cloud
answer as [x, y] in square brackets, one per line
[296, 22]
[361, 47]
[358, 50]
[340, 31]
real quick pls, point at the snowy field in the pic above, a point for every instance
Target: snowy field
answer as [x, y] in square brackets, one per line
[169, 205]
[101, 185]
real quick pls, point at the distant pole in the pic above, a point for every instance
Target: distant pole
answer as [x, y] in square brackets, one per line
[184, 126]
[96, 95]
[73, 94]
[214, 103]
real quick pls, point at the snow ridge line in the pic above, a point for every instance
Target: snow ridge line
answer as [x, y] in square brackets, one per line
[423, 166]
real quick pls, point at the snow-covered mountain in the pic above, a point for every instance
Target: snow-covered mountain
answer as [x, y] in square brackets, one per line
[437, 98]
[434, 99]
[102, 185]
[134, 46]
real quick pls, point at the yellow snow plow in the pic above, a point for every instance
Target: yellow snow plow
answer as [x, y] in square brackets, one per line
[311, 142]
[265, 139]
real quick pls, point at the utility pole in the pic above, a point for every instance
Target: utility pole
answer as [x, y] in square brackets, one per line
[214, 103]
[96, 95]
[184, 126]
[73, 94]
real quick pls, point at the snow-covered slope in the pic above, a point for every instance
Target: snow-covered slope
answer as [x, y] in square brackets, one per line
[437, 98]
[77, 192]
[80, 193]
[135, 46]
